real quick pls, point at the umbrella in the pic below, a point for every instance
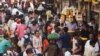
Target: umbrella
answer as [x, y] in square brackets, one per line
[53, 36]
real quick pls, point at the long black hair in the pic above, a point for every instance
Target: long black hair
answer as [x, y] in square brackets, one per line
[74, 20]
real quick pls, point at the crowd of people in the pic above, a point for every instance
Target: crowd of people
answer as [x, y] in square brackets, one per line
[25, 29]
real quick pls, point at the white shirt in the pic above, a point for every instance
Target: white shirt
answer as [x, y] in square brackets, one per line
[32, 6]
[37, 44]
[30, 9]
[19, 6]
[0, 3]
[67, 53]
[24, 53]
[10, 22]
[40, 8]
[13, 26]
[89, 50]
[14, 10]
[96, 47]
[87, 43]
[91, 24]
[26, 20]
[74, 44]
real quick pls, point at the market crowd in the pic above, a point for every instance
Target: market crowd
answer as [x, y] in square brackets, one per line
[27, 29]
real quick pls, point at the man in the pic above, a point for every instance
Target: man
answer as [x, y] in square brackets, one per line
[29, 52]
[66, 40]
[28, 17]
[93, 24]
[89, 50]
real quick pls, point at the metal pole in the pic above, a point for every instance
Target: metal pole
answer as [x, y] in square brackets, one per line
[61, 5]
[89, 11]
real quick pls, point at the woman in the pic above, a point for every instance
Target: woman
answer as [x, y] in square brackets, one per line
[37, 43]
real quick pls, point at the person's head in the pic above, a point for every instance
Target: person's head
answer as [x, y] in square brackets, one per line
[98, 34]
[18, 20]
[6, 36]
[17, 13]
[49, 29]
[75, 35]
[57, 30]
[30, 14]
[37, 33]
[22, 21]
[93, 41]
[92, 20]
[27, 45]
[57, 24]
[65, 29]
[12, 17]
[91, 29]
[29, 52]
[91, 36]
[34, 22]
[74, 20]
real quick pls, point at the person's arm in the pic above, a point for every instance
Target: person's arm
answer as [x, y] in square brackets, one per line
[34, 43]
[46, 49]
[60, 38]
[79, 45]
[9, 22]
[97, 49]
[41, 42]
[77, 50]
[24, 53]
[37, 26]
[17, 29]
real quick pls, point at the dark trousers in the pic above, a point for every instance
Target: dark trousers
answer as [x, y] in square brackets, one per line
[1, 54]
[39, 55]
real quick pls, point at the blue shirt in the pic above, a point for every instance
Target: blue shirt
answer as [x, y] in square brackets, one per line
[66, 41]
